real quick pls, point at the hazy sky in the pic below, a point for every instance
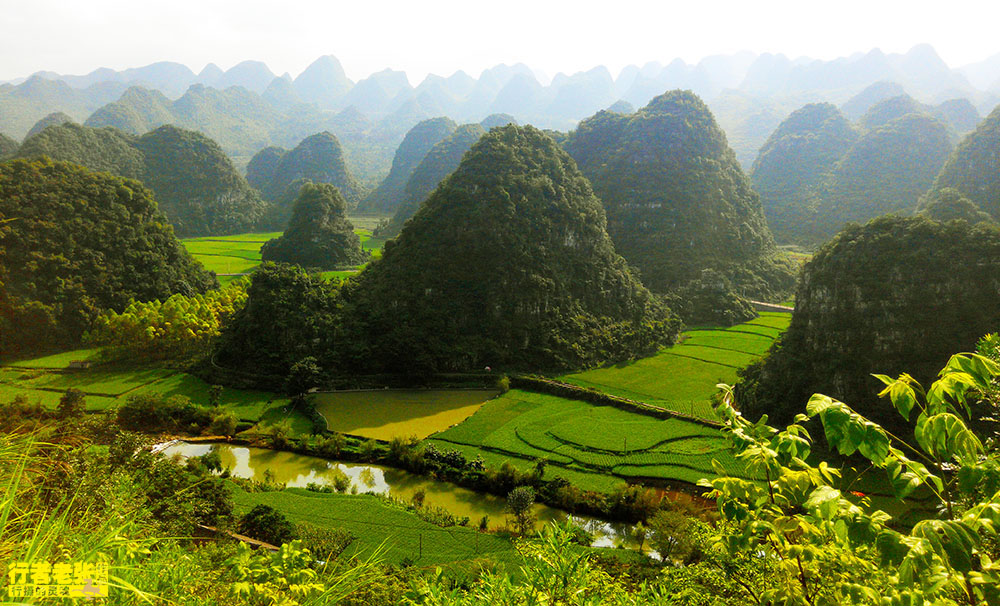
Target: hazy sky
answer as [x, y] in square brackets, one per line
[77, 36]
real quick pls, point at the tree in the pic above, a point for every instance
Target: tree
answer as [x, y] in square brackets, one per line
[223, 424]
[519, 504]
[180, 329]
[215, 395]
[289, 315]
[670, 534]
[303, 376]
[71, 404]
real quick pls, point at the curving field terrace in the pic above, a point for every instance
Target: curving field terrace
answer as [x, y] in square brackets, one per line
[599, 447]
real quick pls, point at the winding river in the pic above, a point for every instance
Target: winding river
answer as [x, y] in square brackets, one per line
[297, 471]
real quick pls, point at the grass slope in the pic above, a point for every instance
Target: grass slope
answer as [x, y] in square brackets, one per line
[376, 524]
[45, 379]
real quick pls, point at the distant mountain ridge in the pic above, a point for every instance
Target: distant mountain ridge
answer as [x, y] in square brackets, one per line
[248, 107]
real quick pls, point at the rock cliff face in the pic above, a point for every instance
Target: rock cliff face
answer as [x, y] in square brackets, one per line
[896, 295]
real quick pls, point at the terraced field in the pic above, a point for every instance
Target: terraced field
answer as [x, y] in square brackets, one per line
[600, 445]
[230, 256]
[683, 377]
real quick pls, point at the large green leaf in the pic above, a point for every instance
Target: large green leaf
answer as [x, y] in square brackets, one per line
[848, 431]
[951, 540]
[901, 393]
[945, 436]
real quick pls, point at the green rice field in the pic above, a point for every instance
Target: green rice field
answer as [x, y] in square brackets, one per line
[385, 414]
[595, 447]
[231, 256]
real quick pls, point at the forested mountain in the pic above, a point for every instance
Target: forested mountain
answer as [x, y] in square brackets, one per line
[76, 242]
[279, 174]
[319, 234]
[886, 171]
[789, 172]
[421, 138]
[895, 295]
[437, 164]
[960, 114]
[261, 169]
[236, 117]
[99, 149]
[53, 119]
[498, 120]
[974, 167]
[195, 184]
[323, 82]
[8, 146]
[949, 204]
[888, 110]
[137, 111]
[677, 200]
[859, 104]
[506, 265]
[281, 94]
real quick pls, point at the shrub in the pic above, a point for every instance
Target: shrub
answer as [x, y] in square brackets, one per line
[71, 404]
[266, 524]
[153, 412]
[223, 424]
